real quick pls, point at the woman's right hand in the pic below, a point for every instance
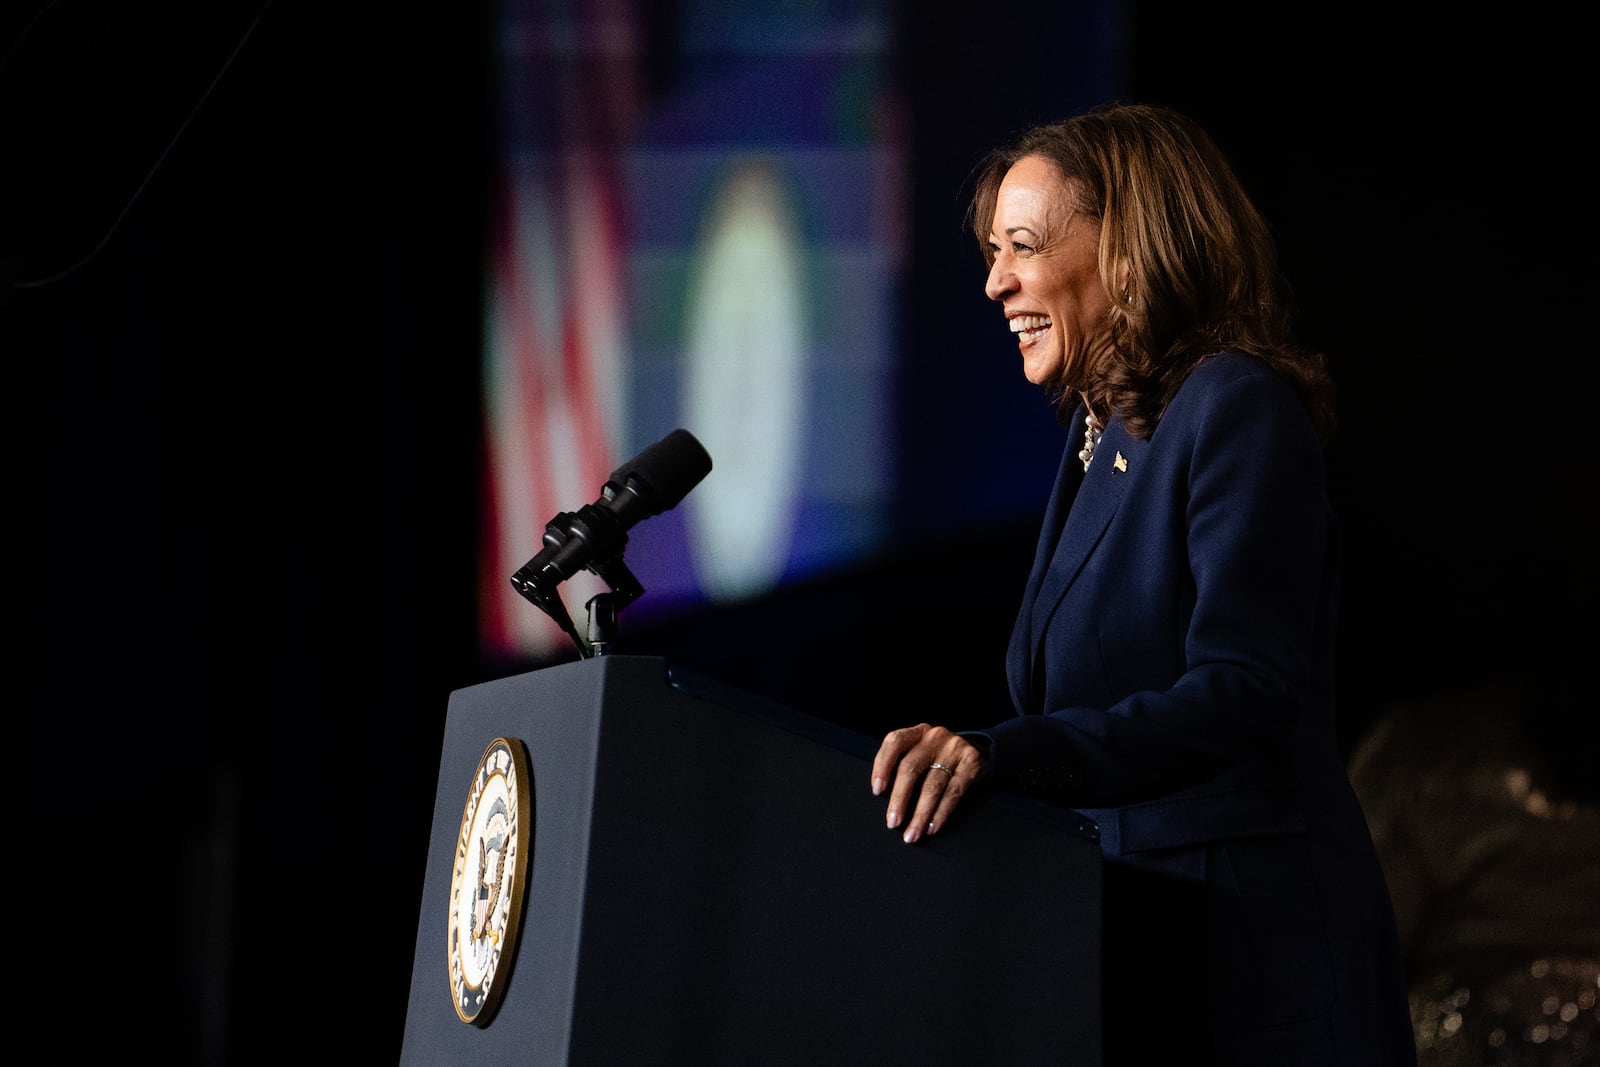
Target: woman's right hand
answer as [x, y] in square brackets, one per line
[927, 770]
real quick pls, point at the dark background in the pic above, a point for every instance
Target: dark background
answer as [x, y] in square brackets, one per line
[245, 430]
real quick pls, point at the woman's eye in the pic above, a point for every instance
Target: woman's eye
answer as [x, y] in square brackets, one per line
[1021, 249]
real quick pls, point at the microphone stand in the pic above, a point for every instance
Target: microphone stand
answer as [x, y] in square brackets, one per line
[602, 624]
[603, 607]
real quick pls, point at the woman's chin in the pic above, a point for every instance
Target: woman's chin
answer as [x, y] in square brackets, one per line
[1040, 369]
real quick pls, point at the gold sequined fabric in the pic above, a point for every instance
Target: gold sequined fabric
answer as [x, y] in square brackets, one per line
[1494, 867]
[1542, 1014]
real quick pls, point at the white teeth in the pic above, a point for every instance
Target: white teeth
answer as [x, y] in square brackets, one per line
[1025, 323]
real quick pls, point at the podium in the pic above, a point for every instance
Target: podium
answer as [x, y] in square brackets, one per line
[709, 880]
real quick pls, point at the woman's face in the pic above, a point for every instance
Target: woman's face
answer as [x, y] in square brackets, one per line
[1045, 272]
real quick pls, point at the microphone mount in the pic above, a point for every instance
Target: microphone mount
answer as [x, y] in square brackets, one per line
[566, 535]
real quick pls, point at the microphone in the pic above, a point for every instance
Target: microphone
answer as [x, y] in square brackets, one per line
[593, 537]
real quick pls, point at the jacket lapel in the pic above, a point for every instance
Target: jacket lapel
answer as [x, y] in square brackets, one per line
[1086, 513]
[1019, 654]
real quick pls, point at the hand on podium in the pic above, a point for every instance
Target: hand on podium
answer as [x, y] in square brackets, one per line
[944, 763]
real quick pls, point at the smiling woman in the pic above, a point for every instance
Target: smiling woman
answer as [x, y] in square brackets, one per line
[1170, 665]
[1044, 270]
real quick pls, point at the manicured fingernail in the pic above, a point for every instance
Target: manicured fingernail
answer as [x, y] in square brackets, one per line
[911, 835]
[894, 818]
[877, 786]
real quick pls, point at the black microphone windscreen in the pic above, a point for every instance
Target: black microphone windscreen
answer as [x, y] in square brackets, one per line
[663, 474]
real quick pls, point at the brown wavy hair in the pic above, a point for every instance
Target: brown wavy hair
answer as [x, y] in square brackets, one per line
[1189, 263]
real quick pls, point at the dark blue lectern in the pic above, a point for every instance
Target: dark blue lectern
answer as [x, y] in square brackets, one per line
[710, 881]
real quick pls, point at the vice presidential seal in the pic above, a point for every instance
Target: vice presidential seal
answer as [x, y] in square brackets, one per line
[486, 887]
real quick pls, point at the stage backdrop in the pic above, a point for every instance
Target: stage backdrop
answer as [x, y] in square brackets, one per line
[700, 220]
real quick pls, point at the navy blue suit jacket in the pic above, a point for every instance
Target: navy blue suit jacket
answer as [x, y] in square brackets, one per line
[1172, 672]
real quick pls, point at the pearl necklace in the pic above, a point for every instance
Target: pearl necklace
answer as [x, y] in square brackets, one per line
[1091, 437]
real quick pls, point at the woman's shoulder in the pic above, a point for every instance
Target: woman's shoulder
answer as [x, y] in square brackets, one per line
[1228, 366]
[1235, 392]
[1231, 373]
